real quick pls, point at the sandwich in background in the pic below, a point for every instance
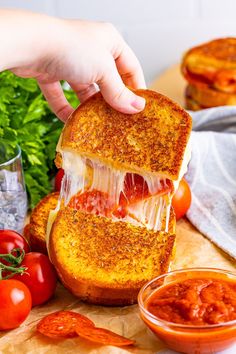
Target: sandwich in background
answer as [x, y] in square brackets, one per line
[115, 228]
[210, 70]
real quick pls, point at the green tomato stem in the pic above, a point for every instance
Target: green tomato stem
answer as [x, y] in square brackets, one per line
[8, 271]
[14, 260]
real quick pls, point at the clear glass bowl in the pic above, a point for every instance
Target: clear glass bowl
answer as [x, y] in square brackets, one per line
[185, 338]
[13, 197]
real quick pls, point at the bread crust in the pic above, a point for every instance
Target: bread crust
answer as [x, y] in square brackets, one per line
[153, 140]
[105, 262]
[38, 222]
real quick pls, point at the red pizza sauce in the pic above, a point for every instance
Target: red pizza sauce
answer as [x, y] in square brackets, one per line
[195, 302]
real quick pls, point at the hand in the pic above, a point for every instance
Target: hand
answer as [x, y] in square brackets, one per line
[83, 54]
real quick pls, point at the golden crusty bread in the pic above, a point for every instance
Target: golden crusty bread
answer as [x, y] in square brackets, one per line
[207, 97]
[36, 231]
[212, 64]
[106, 262]
[171, 224]
[153, 140]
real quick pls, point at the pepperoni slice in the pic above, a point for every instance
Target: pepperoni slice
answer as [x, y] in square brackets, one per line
[62, 324]
[95, 202]
[135, 188]
[103, 336]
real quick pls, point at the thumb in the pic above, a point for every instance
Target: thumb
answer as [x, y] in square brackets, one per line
[117, 95]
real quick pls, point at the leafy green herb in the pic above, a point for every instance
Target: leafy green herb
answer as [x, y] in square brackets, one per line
[26, 119]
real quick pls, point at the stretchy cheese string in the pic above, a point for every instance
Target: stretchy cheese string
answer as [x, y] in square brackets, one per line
[83, 174]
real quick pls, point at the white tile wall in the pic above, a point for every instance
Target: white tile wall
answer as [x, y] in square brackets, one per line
[159, 31]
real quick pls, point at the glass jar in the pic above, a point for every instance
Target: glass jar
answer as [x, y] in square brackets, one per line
[13, 197]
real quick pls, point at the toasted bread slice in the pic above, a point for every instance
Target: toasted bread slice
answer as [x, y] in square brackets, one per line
[212, 64]
[209, 97]
[171, 223]
[36, 231]
[105, 262]
[153, 140]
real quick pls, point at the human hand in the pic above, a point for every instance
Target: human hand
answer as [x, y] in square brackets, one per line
[83, 54]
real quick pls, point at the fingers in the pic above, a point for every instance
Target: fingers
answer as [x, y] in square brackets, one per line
[130, 69]
[54, 95]
[117, 94]
[83, 91]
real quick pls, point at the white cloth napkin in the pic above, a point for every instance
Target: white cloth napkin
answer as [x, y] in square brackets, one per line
[212, 176]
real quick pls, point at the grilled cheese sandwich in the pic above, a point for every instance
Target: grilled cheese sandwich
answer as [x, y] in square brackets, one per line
[120, 174]
[212, 64]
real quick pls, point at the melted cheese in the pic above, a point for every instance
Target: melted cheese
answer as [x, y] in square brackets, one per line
[108, 180]
[74, 179]
[51, 218]
[184, 166]
[148, 212]
[82, 174]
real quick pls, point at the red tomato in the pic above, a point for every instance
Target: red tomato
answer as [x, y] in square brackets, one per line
[182, 199]
[10, 239]
[15, 303]
[58, 179]
[40, 277]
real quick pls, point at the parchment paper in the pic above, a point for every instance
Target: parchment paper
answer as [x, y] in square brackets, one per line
[192, 250]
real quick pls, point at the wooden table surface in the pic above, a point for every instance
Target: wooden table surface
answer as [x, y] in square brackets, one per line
[171, 83]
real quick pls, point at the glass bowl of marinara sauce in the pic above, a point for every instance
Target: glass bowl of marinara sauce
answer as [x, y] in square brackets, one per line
[192, 310]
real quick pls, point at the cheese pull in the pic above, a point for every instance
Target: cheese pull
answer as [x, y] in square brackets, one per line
[89, 185]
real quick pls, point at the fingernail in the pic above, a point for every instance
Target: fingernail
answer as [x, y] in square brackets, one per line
[139, 103]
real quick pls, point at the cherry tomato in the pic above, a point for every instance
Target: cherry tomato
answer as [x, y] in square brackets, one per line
[40, 277]
[58, 179]
[15, 303]
[10, 239]
[182, 199]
